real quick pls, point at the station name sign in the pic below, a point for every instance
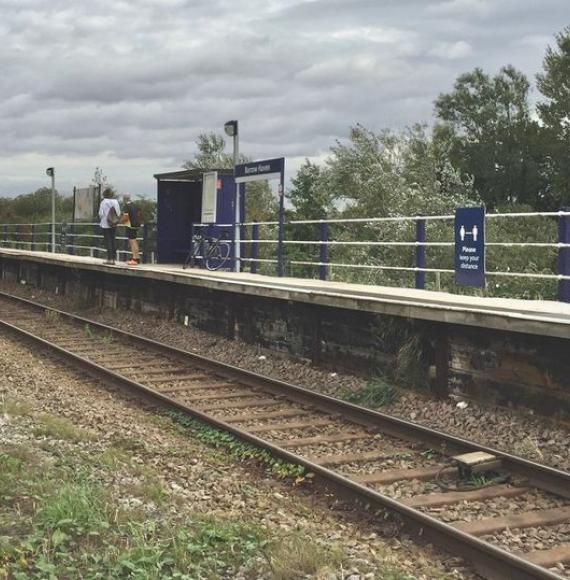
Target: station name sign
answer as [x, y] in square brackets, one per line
[470, 246]
[258, 170]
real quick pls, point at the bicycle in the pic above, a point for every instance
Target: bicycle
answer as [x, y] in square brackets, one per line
[215, 252]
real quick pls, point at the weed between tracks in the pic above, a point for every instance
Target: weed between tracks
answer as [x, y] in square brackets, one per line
[51, 316]
[377, 393]
[239, 449]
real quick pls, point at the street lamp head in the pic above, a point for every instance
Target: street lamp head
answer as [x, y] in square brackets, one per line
[231, 128]
[50, 171]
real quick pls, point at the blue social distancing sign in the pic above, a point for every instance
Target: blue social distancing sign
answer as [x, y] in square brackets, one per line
[470, 246]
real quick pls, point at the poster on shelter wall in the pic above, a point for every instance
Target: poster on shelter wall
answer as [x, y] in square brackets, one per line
[209, 197]
[85, 203]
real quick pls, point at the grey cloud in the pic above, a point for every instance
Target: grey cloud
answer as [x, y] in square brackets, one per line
[135, 82]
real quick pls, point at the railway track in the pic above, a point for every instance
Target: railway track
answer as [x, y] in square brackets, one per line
[384, 462]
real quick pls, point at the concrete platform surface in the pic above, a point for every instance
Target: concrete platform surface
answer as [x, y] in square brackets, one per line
[541, 317]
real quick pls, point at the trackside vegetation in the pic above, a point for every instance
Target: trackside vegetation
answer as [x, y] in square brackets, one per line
[70, 508]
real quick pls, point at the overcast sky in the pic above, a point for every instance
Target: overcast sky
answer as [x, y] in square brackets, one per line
[128, 85]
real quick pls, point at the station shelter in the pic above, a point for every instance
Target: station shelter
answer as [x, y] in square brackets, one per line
[190, 197]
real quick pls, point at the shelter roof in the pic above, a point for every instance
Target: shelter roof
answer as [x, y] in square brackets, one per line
[189, 174]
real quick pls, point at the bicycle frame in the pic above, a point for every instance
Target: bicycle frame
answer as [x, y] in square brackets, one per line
[209, 248]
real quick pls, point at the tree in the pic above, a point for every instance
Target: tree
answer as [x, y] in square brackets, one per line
[101, 181]
[147, 207]
[490, 135]
[99, 178]
[390, 174]
[211, 153]
[554, 112]
[260, 203]
[309, 195]
[35, 207]
[375, 174]
[311, 200]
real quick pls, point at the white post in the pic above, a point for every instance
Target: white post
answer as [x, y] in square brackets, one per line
[51, 172]
[237, 233]
[53, 211]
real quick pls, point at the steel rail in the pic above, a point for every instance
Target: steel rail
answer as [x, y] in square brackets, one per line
[492, 562]
[547, 478]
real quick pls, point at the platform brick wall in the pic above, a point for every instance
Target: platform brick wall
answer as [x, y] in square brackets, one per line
[490, 365]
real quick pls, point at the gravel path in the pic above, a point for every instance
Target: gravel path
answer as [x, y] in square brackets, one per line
[196, 476]
[515, 431]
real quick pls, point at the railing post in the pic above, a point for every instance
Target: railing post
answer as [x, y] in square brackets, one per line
[281, 235]
[564, 256]
[145, 244]
[52, 238]
[5, 233]
[125, 245]
[94, 243]
[71, 238]
[254, 246]
[192, 250]
[33, 239]
[63, 238]
[420, 253]
[324, 250]
[17, 235]
[281, 248]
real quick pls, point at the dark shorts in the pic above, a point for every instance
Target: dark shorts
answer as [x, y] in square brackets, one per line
[132, 233]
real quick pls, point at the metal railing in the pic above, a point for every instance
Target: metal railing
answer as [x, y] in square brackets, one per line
[425, 258]
[77, 238]
[529, 257]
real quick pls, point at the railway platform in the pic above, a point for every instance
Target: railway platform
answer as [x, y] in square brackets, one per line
[539, 317]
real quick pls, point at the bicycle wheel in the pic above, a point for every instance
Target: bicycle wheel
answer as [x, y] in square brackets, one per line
[218, 256]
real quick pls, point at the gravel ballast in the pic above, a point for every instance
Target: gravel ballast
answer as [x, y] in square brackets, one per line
[515, 431]
[196, 477]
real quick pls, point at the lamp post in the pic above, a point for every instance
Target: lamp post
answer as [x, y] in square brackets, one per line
[231, 130]
[51, 172]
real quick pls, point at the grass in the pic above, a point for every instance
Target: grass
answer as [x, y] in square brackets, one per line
[377, 393]
[129, 443]
[51, 316]
[153, 489]
[76, 507]
[108, 338]
[14, 407]
[10, 468]
[59, 428]
[45, 425]
[69, 526]
[112, 459]
[299, 557]
[409, 343]
[150, 487]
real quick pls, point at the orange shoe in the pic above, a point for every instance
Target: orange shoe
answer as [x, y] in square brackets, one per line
[132, 263]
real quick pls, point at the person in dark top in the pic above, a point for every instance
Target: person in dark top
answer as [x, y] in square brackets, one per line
[132, 221]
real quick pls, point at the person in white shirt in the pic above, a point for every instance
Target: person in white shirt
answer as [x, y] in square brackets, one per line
[109, 230]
